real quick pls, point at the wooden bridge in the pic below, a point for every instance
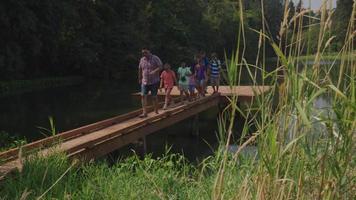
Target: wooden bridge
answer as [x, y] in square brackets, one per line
[98, 139]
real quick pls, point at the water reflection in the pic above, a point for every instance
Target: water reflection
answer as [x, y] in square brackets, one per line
[70, 107]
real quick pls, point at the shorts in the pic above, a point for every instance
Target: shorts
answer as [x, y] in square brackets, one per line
[214, 81]
[168, 88]
[153, 88]
[201, 83]
[192, 88]
[184, 87]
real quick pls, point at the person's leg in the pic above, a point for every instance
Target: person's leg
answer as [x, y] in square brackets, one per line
[168, 95]
[191, 91]
[144, 104]
[187, 93]
[199, 90]
[144, 100]
[165, 100]
[154, 91]
[155, 103]
[197, 86]
[213, 84]
[180, 93]
[217, 84]
[203, 88]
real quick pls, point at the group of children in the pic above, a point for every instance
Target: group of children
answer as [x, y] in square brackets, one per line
[191, 78]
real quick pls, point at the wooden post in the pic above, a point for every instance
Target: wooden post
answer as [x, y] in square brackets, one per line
[141, 147]
[221, 106]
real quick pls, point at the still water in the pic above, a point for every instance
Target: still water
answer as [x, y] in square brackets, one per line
[75, 106]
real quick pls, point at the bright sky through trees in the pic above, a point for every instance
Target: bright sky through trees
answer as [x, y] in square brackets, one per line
[315, 4]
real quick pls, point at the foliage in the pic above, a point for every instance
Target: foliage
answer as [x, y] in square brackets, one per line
[7, 141]
[102, 39]
[343, 11]
[20, 86]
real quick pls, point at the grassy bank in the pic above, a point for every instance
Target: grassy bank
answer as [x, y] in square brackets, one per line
[8, 141]
[21, 86]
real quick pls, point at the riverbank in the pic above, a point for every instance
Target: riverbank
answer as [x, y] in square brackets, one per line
[23, 86]
[335, 56]
[325, 58]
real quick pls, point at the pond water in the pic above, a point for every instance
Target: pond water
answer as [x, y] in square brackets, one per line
[75, 106]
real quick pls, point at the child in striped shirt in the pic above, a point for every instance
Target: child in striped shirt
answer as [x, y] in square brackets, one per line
[215, 66]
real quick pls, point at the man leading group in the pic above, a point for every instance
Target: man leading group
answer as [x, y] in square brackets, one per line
[149, 78]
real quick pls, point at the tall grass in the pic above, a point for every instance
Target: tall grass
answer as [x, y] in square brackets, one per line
[304, 151]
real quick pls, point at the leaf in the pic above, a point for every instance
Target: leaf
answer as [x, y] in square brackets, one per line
[315, 95]
[303, 114]
[280, 54]
[290, 144]
[338, 92]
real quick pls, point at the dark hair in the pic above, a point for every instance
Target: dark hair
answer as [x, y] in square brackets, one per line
[145, 48]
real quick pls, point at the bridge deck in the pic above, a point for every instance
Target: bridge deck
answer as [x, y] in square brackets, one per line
[106, 136]
[243, 91]
[103, 137]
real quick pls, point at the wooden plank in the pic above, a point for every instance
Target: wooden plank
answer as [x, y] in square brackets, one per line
[89, 141]
[115, 143]
[105, 130]
[241, 91]
[61, 137]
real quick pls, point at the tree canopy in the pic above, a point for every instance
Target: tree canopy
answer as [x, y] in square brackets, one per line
[102, 38]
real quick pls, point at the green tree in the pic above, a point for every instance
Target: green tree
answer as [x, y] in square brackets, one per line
[341, 20]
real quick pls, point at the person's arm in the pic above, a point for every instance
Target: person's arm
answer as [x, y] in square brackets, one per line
[208, 66]
[189, 72]
[159, 65]
[178, 72]
[156, 70]
[161, 82]
[208, 70]
[139, 74]
[219, 68]
[206, 76]
[174, 78]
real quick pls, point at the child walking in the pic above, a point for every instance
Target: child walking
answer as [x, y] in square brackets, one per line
[215, 66]
[192, 82]
[183, 75]
[200, 76]
[168, 80]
